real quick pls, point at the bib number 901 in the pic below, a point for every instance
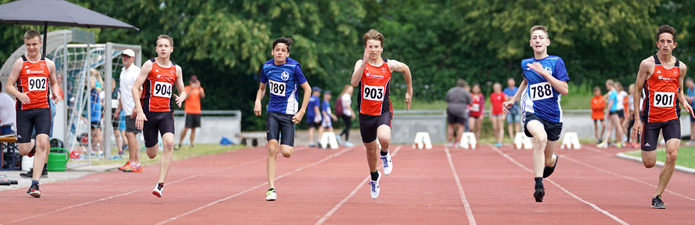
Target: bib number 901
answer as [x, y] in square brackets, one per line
[663, 99]
[540, 91]
[162, 89]
[373, 93]
[37, 83]
[276, 88]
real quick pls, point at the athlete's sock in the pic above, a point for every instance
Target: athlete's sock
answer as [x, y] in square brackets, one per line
[35, 182]
[539, 181]
[272, 189]
[383, 153]
[375, 175]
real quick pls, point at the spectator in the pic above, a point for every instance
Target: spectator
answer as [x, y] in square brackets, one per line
[457, 99]
[630, 120]
[343, 108]
[623, 98]
[128, 76]
[115, 122]
[477, 110]
[95, 112]
[326, 115]
[614, 111]
[690, 96]
[8, 112]
[514, 116]
[195, 92]
[313, 114]
[597, 107]
[497, 117]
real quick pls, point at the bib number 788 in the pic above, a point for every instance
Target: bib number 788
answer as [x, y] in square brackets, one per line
[540, 91]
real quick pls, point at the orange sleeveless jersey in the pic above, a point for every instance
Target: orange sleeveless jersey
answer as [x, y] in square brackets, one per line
[159, 88]
[597, 107]
[374, 98]
[33, 80]
[661, 102]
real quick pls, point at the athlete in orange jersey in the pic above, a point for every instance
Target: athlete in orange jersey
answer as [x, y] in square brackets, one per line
[33, 73]
[372, 76]
[661, 75]
[597, 107]
[154, 110]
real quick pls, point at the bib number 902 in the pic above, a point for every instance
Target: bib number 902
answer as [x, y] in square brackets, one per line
[37, 83]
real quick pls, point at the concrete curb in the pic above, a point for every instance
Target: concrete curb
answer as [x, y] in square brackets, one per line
[658, 163]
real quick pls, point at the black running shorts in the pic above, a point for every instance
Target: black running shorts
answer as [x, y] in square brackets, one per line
[192, 120]
[157, 122]
[650, 133]
[280, 124]
[552, 129]
[453, 118]
[369, 125]
[30, 119]
[130, 125]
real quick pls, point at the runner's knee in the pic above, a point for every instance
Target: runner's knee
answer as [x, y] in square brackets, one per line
[287, 151]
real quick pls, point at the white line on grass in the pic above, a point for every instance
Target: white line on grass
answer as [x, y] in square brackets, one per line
[250, 189]
[565, 190]
[337, 206]
[469, 212]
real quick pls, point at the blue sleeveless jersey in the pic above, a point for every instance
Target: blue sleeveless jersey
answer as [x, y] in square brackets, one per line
[540, 97]
[282, 82]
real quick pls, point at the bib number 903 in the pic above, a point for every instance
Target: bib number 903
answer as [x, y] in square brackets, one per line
[373, 93]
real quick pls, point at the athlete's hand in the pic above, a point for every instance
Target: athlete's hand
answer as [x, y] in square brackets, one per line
[56, 98]
[536, 66]
[297, 117]
[365, 56]
[408, 99]
[179, 100]
[118, 112]
[353, 116]
[689, 109]
[506, 106]
[257, 109]
[22, 97]
[140, 120]
[636, 130]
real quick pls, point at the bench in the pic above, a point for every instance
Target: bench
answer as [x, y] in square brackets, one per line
[250, 136]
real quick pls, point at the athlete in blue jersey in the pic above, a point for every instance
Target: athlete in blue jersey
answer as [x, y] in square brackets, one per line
[545, 79]
[281, 75]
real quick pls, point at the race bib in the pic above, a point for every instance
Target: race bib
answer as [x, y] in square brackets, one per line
[663, 99]
[162, 89]
[373, 93]
[114, 103]
[475, 108]
[540, 91]
[37, 83]
[276, 88]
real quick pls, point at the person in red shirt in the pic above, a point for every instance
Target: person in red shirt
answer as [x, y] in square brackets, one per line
[597, 107]
[34, 76]
[497, 118]
[195, 93]
[476, 110]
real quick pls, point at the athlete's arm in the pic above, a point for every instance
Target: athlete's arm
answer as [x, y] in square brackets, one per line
[12, 80]
[307, 94]
[645, 68]
[357, 74]
[560, 86]
[180, 86]
[259, 96]
[137, 111]
[681, 96]
[403, 68]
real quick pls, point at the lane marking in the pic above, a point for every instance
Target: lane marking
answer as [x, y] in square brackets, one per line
[128, 193]
[469, 212]
[337, 206]
[250, 189]
[564, 190]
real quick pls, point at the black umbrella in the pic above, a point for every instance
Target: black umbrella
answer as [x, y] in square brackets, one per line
[56, 13]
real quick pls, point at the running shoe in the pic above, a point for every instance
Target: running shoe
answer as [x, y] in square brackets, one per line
[497, 145]
[34, 190]
[657, 203]
[312, 145]
[388, 164]
[30, 174]
[158, 190]
[539, 193]
[374, 184]
[619, 145]
[127, 164]
[348, 144]
[271, 195]
[547, 171]
[133, 169]
[602, 145]
[690, 143]
[449, 145]
[599, 141]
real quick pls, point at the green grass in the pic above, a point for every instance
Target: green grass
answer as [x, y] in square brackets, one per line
[184, 153]
[686, 156]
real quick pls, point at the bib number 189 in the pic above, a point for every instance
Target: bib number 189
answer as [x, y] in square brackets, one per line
[276, 88]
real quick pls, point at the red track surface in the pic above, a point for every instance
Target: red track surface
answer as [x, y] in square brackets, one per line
[590, 186]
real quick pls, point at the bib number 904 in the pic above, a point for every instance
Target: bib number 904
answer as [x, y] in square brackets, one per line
[373, 93]
[540, 91]
[276, 88]
[162, 89]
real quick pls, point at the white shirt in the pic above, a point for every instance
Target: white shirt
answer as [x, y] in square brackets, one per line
[621, 100]
[8, 113]
[128, 77]
[347, 102]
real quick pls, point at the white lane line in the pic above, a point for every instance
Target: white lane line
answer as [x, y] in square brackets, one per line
[626, 177]
[128, 193]
[565, 190]
[250, 189]
[337, 206]
[469, 212]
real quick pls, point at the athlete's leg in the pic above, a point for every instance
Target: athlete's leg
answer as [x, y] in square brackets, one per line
[472, 124]
[550, 153]
[41, 155]
[692, 130]
[271, 161]
[450, 133]
[493, 121]
[536, 129]
[133, 147]
[609, 128]
[183, 135]
[167, 154]
[192, 135]
[670, 164]
[311, 134]
[479, 125]
[320, 136]
[500, 128]
[618, 129]
[510, 126]
[383, 133]
[372, 155]
[459, 132]
[596, 129]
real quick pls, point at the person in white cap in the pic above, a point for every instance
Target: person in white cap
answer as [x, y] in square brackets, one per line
[129, 74]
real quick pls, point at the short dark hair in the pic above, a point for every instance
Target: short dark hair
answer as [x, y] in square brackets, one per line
[285, 40]
[460, 83]
[164, 36]
[666, 29]
[30, 34]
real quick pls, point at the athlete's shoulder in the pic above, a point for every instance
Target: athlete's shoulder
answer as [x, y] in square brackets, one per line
[649, 61]
[292, 62]
[269, 62]
[527, 60]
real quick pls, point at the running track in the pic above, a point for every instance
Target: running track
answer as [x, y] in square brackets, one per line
[438, 186]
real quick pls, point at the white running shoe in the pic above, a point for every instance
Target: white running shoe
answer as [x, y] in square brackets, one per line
[158, 190]
[449, 145]
[388, 164]
[271, 195]
[374, 185]
[602, 145]
[348, 144]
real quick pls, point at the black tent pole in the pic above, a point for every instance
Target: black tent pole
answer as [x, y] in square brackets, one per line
[45, 36]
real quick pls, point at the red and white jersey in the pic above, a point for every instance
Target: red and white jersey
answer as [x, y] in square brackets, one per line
[158, 88]
[33, 80]
[660, 103]
[374, 98]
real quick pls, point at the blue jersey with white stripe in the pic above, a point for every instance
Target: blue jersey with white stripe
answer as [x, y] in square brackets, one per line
[540, 97]
[282, 81]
